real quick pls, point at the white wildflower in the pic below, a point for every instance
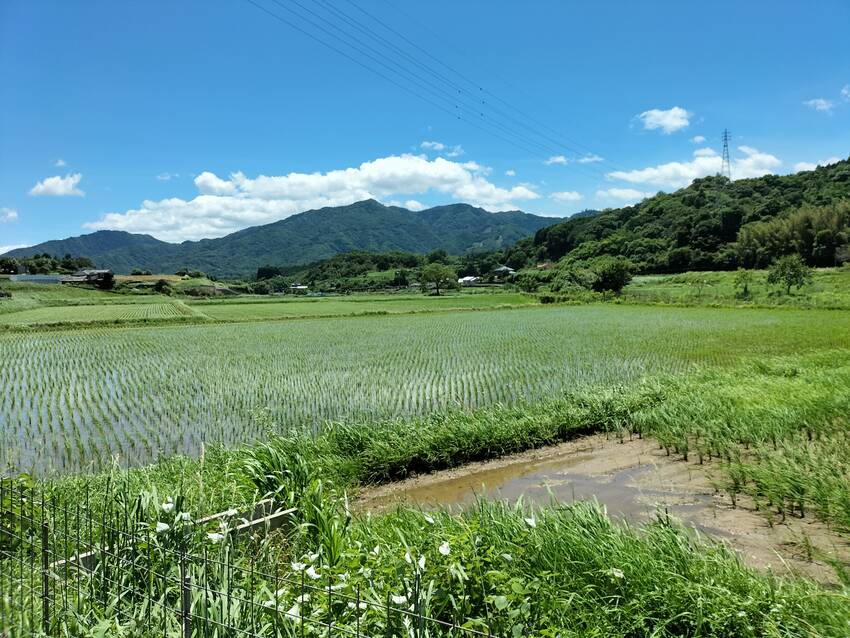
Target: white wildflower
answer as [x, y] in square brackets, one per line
[741, 614]
[295, 610]
[162, 527]
[312, 573]
[215, 537]
[298, 567]
[184, 516]
[231, 512]
[352, 605]
[617, 573]
[399, 600]
[508, 558]
[377, 550]
[531, 522]
[422, 563]
[444, 549]
[269, 603]
[167, 506]
[429, 519]
[407, 558]
[303, 598]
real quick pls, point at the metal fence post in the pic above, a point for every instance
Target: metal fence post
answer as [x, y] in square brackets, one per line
[185, 599]
[45, 579]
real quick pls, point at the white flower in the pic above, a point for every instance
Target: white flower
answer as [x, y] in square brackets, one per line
[298, 567]
[422, 563]
[377, 550]
[231, 512]
[508, 558]
[162, 527]
[312, 573]
[444, 549]
[616, 573]
[429, 519]
[215, 537]
[407, 558]
[399, 600]
[269, 603]
[303, 598]
[354, 606]
[312, 557]
[531, 522]
[295, 610]
[184, 516]
[741, 614]
[167, 506]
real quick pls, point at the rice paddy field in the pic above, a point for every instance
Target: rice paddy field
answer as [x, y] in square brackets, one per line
[74, 398]
[85, 313]
[253, 309]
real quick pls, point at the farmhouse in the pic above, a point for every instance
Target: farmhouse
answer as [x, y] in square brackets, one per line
[87, 276]
[504, 271]
[468, 280]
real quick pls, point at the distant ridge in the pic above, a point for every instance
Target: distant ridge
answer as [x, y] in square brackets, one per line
[304, 238]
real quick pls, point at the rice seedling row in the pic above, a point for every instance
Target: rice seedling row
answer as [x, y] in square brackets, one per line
[73, 399]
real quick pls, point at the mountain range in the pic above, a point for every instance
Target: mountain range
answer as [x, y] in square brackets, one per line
[305, 237]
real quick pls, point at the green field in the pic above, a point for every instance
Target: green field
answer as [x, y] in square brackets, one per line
[253, 309]
[84, 313]
[75, 397]
[829, 288]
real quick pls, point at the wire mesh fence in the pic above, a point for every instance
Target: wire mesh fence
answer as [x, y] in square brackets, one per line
[69, 569]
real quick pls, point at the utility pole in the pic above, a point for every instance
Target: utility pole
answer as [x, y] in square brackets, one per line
[726, 167]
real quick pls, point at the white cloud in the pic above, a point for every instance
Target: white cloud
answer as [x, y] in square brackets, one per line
[705, 152]
[556, 159]
[8, 215]
[510, 172]
[623, 194]
[845, 92]
[567, 196]
[439, 147]
[668, 121]
[226, 205]
[59, 186]
[698, 139]
[167, 177]
[412, 204]
[5, 249]
[673, 175]
[810, 166]
[590, 159]
[60, 163]
[820, 104]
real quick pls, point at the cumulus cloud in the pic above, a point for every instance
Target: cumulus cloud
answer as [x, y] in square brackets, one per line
[845, 92]
[59, 186]
[556, 159]
[623, 194]
[412, 204]
[820, 104]
[510, 172]
[226, 205]
[668, 121]
[567, 196]
[439, 147]
[8, 215]
[60, 163]
[810, 166]
[5, 249]
[698, 139]
[590, 159]
[706, 161]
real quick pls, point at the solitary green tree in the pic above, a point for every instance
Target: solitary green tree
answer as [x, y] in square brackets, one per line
[789, 271]
[439, 275]
[743, 280]
[611, 273]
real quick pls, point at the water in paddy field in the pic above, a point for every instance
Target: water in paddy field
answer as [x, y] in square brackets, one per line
[563, 478]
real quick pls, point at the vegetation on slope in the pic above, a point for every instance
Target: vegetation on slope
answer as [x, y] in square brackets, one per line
[713, 224]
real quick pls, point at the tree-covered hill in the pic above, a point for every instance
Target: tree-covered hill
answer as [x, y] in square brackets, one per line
[713, 224]
[307, 237]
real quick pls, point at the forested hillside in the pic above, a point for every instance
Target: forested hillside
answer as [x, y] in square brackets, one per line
[713, 224]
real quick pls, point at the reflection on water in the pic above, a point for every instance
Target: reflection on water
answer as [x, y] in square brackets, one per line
[544, 481]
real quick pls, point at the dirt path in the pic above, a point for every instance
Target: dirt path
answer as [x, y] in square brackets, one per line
[634, 480]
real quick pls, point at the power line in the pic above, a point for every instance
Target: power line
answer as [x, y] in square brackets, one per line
[459, 101]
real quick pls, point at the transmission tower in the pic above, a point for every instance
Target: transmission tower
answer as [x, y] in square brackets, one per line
[726, 167]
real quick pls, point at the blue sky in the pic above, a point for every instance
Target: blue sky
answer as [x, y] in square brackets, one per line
[194, 119]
